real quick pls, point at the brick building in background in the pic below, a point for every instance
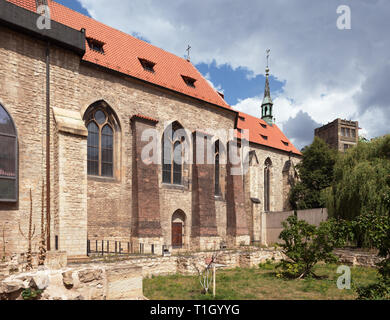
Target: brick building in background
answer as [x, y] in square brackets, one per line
[103, 89]
[339, 134]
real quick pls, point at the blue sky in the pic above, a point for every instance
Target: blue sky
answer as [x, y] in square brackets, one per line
[237, 84]
[319, 72]
[75, 5]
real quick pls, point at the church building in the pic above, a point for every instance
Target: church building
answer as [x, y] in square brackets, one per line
[76, 100]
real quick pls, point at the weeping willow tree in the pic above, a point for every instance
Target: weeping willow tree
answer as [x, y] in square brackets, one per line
[361, 180]
[360, 190]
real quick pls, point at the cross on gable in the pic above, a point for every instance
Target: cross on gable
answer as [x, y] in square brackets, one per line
[188, 52]
[268, 51]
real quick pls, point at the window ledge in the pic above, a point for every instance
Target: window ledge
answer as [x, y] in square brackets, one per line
[218, 198]
[11, 201]
[173, 186]
[102, 179]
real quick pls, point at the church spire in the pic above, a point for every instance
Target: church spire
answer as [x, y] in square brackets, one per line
[266, 106]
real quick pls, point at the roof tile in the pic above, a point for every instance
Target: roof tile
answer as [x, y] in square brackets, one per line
[275, 136]
[122, 52]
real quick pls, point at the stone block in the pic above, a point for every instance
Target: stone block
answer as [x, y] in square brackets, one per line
[124, 283]
[89, 275]
[56, 260]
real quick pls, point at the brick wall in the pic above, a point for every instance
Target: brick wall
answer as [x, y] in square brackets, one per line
[108, 215]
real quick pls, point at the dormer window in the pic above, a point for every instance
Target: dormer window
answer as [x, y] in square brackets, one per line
[264, 137]
[285, 143]
[189, 81]
[95, 45]
[147, 65]
[263, 125]
[241, 118]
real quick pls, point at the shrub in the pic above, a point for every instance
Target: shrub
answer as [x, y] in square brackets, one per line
[305, 245]
[31, 294]
[381, 240]
[376, 291]
[267, 265]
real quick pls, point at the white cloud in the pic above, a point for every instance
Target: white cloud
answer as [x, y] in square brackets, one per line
[251, 106]
[218, 87]
[324, 68]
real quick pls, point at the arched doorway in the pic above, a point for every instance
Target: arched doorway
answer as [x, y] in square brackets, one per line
[178, 228]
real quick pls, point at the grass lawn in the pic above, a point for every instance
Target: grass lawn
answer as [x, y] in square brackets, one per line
[258, 284]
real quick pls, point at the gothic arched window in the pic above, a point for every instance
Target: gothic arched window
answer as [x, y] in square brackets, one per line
[217, 169]
[172, 167]
[267, 184]
[101, 125]
[8, 158]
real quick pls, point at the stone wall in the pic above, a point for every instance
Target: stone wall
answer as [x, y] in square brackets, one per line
[123, 280]
[102, 208]
[74, 87]
[313, 216]
[358, 258]
[119, 280]
[94, 282]
[281, 173]
[274, 221]
[22, 93]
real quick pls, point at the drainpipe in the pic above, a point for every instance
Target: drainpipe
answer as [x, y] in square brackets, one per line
[48, 146]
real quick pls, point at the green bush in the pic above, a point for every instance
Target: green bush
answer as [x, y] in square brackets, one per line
[31, 294]
[305, 245]
[315, 174]
[377, 291]
[381, 240]
[267, 265]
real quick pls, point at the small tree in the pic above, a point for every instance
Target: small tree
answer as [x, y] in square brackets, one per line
[305, 245]
[204, 274]
[42, 243]
[29, 237]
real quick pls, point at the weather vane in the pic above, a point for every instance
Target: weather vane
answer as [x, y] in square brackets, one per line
[188, 52]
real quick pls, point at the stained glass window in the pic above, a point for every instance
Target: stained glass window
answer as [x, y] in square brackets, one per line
[217, 169]
[100, 144]
[8, 158]
[172, 166]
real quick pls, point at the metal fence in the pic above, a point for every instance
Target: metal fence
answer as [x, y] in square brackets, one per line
[106, 247]
[103, 247]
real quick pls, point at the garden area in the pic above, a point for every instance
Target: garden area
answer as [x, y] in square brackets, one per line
[355, 188]
[260, 283]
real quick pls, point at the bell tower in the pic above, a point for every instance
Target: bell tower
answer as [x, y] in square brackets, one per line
[266, 106]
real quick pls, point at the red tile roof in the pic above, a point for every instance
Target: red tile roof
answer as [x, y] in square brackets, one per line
[261, 132]
[122, 53]
[141, 116]
[26, 4]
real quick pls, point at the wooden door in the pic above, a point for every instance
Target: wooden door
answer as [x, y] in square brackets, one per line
[177, 234]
